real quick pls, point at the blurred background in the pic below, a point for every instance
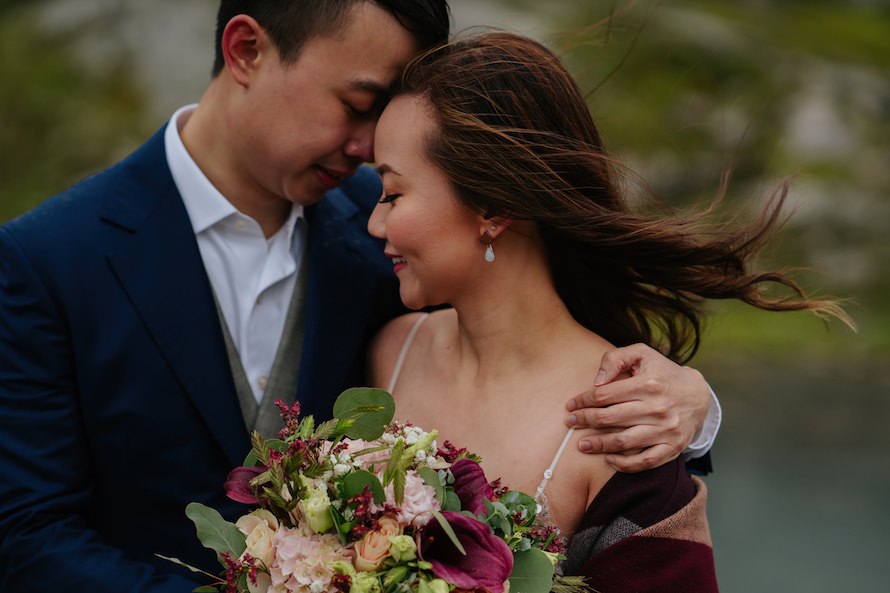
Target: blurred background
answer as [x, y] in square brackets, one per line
[682, 90]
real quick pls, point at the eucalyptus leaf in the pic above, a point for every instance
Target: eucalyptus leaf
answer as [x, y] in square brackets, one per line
[452, 502]
[354, 483]
[431, 478]
[373, 410]
[532, 572]
[520, 502]
[214, 532]
[446, 527]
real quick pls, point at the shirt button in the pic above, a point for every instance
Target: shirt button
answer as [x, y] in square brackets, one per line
[262, 381]
[240, 224]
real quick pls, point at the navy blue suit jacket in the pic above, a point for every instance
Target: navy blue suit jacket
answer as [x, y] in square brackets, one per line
[117, 406]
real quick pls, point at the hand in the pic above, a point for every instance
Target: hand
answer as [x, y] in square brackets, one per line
[644, 409]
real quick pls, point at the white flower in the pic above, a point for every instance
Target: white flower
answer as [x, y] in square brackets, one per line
[259, 527]
[303, 561]
[418, 502]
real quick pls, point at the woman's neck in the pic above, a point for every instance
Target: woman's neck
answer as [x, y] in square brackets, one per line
[515, 325]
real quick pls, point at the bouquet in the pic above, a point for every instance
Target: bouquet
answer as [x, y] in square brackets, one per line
[362, 504]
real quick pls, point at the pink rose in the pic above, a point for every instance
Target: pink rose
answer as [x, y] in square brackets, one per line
[373, 549]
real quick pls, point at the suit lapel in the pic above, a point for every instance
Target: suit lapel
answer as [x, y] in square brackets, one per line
[157, 261]
[339, 299]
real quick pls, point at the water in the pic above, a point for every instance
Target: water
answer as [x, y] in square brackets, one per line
[800, 500]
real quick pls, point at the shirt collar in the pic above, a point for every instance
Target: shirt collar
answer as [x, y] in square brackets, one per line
[205, 205]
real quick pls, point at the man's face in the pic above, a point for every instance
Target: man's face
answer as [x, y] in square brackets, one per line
[309, 124]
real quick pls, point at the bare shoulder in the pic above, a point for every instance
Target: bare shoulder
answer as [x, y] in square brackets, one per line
[386, 346]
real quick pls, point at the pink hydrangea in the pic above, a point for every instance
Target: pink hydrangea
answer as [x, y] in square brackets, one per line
[378, 457]
[418, 503]
[303, 561]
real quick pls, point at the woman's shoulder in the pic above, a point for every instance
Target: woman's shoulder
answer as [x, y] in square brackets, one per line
[420, 328]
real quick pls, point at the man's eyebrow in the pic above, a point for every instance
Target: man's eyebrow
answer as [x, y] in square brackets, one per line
[370, 86]
[384, 168]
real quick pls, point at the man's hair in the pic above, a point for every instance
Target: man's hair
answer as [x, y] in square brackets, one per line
[290, 23]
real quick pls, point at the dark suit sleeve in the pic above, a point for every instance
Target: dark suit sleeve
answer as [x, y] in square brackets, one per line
[46, 542]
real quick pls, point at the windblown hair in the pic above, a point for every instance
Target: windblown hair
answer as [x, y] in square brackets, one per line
[290, 23]
[516, 139]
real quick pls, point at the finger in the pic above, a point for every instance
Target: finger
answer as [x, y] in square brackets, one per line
[643, 386]
[615, 362]
[620, 361]
[647, 459]
[622, 442]
[626, 389]
[621, 415]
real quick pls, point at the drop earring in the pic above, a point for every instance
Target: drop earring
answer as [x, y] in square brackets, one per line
[487, 239]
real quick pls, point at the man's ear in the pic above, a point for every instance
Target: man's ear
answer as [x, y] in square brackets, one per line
[243, 43]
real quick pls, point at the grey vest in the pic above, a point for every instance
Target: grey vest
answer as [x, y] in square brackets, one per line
[282, 383]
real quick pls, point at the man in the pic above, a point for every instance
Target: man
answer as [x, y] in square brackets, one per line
[151, 314]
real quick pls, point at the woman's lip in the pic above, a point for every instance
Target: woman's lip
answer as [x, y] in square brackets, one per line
[398, 262]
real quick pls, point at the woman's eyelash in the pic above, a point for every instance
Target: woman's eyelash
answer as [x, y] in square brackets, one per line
[389, 198]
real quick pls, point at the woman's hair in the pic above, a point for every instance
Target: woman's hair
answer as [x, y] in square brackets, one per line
[290, 23]
[516, 139]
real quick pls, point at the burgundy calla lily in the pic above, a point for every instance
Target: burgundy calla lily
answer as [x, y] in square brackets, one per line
[470, 485]
[488, 561]
[238, 484]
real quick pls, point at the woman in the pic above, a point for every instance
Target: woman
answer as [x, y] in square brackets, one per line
[500, 200]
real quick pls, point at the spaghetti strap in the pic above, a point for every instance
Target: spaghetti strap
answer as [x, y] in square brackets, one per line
[548, 473]
[404, 352]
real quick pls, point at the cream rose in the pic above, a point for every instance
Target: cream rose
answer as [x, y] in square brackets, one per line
[373, 549]
[259, 527]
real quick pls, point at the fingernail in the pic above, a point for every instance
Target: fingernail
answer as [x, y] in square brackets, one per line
[584, 445]
[600, 377]
[572, 420]
[610, 459]
[572, 405]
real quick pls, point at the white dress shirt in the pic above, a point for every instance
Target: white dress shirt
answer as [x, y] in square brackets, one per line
[252, 277]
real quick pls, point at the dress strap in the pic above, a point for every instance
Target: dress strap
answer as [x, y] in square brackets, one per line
[393, 379]
[548, 473]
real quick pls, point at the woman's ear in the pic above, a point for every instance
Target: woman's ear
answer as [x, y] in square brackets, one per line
[243, 43]
[490, 228]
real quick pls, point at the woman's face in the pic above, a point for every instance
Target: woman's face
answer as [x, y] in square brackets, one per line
[432, 238]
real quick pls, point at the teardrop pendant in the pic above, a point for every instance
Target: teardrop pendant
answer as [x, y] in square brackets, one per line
[489, 253]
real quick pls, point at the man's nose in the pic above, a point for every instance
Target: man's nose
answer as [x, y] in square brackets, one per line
[361, 144]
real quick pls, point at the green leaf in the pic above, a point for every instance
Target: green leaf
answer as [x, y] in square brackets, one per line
[372, 409]
[214, 532]
[520, 502]
[446, 527]
[400, 477]
[252, 459]
[532, 572]
[570, 584]
[354, 483]
[431, 477]
[206, 589]
[392, 464]
[326, 430]
[452, 502]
